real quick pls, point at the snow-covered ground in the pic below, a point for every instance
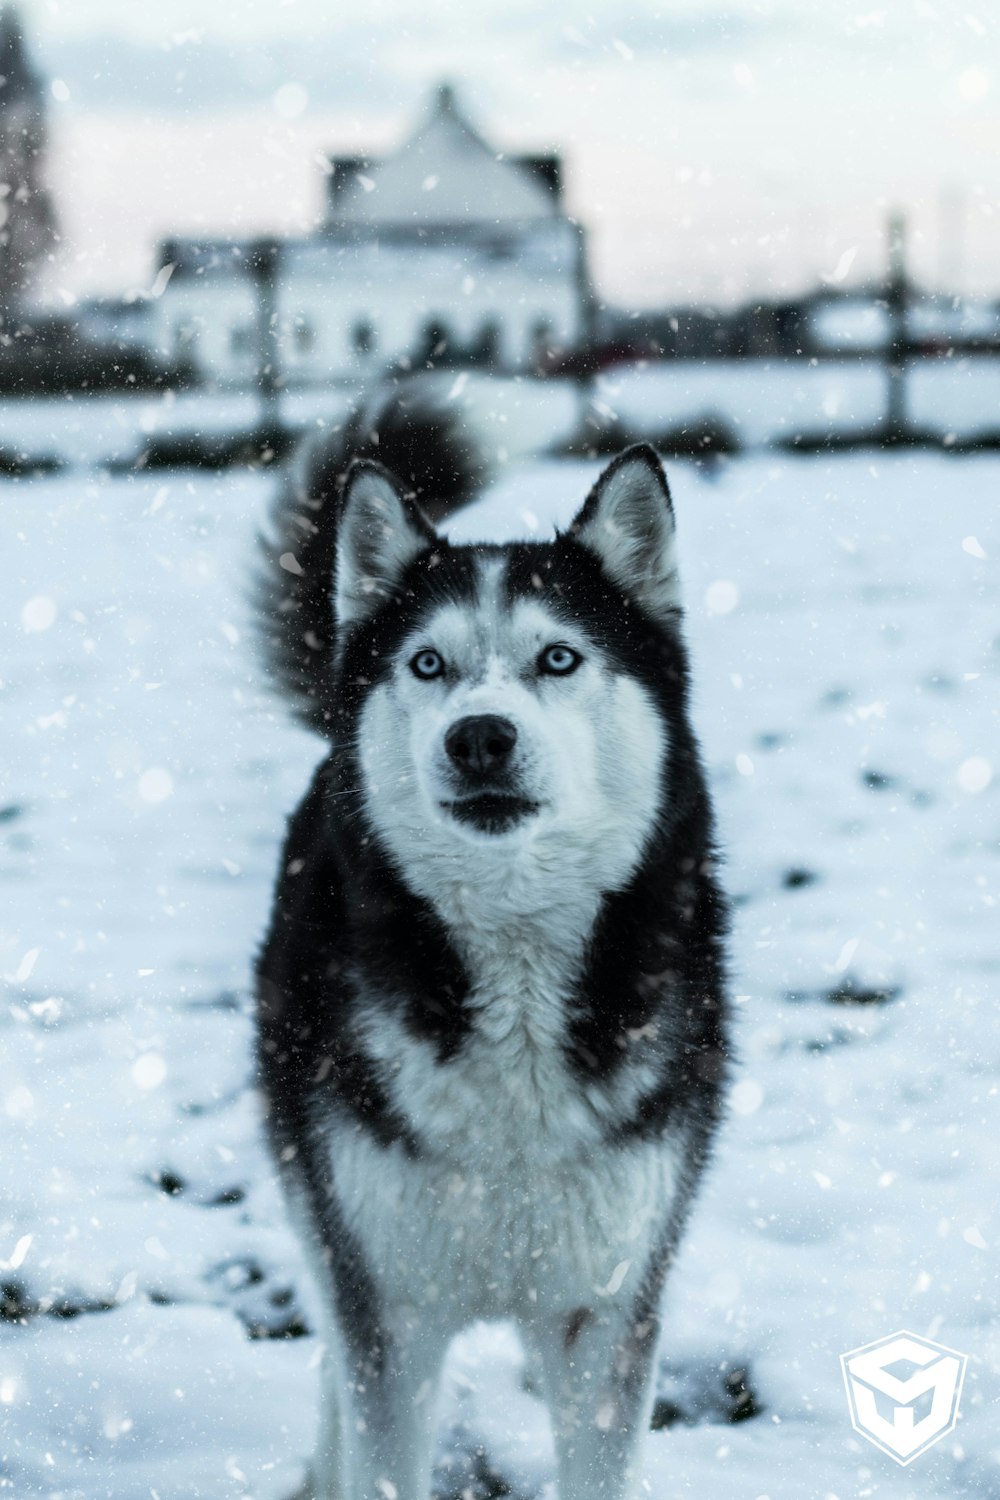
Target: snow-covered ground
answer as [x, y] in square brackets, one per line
[845, 619]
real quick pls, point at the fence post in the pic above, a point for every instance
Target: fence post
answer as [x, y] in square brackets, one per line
[896, 297]
[265, 266]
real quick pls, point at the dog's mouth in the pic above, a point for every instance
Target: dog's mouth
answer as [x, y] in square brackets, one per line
[491, 812]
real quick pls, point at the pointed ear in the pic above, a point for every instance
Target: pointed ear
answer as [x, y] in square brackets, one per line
[628, 521]
[381, 531]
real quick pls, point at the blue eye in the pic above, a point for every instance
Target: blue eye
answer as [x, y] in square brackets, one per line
[427, 665]
[559, 661]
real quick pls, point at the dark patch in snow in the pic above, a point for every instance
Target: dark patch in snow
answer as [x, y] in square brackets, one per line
[67, 1308]
[17, 1305]
[836, 1037]
[174, 1185]
[169, 1183]
[292, 1326]
[227, 1198]
[267, 1311]
[689, 1396]
[224, 1000]
[795, 878]
[850, 991]
[237, 1275]
[741, 1393]
[197, 1108]
[666, 1413]
[878, 781]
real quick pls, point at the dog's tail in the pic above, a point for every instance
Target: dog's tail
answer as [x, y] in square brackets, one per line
[426, 445]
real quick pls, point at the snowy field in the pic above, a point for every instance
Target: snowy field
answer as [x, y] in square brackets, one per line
[845, 620]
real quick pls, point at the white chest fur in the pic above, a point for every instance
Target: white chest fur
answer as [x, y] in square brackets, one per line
[516, 1201]
[498, 1236]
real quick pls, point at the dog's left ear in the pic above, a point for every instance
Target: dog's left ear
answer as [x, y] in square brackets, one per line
[628, 520]
[379, 534]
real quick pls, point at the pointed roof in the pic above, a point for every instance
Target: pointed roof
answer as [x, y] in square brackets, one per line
[444, 174]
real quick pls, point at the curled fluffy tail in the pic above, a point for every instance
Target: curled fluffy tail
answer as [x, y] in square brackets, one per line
[425, 445]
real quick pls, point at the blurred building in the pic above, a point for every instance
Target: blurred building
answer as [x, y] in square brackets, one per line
[446, 251]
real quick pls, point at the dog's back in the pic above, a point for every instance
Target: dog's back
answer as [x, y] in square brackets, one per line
[491, 1004]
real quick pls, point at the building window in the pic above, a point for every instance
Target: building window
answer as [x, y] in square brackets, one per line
[485, 349]
[432, 343]
[241, 339]
[540, 343]
[363, 338]
[304, 335]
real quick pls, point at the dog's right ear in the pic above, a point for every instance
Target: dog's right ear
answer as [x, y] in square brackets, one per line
[628, 520]
[381, 531]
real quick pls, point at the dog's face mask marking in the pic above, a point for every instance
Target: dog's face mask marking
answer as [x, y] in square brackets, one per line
[497, 717]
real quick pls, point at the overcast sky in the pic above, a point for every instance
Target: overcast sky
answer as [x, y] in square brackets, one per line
[713, 149]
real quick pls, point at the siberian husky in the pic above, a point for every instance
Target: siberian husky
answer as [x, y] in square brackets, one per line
[492, 1019]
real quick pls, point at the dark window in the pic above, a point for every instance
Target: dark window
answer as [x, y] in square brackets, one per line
[486, 345]
[432, 344]
[363, 337]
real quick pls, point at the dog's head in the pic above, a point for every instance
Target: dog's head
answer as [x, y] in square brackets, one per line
[526, 694]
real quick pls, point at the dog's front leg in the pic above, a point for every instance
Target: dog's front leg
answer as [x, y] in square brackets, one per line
[389, 1409]
[598, 1365]
[326, 1479]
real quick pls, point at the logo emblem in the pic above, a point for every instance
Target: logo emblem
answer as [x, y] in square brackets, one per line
[903, 1392]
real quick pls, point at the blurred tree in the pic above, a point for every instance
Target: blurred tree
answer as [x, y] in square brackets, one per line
[27, 215]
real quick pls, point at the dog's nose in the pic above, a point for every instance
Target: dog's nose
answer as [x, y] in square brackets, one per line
[480, 743]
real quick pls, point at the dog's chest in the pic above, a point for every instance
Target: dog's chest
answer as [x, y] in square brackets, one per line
[506, 1097]
[514, 1197]
[500, 1235]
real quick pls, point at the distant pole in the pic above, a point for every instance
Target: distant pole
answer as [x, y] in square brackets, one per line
[896, 296]
[587, 337]
[265, 265]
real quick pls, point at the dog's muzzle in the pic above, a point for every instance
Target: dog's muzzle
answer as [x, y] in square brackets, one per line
[479, 749]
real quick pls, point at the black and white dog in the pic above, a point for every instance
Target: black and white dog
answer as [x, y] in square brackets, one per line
[492, 1037]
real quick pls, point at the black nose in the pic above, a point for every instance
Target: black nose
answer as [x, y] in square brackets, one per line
[481, 743]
